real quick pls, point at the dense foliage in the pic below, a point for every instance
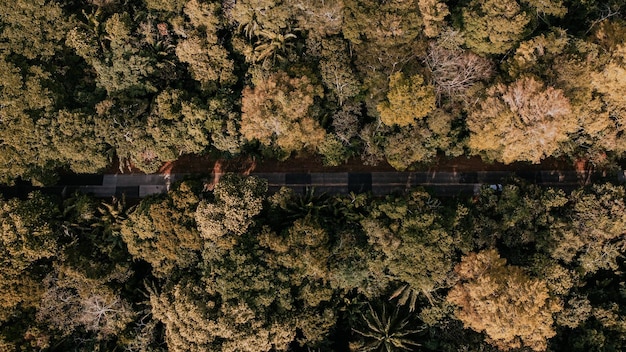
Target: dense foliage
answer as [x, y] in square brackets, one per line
[238, 269]
[84, 84]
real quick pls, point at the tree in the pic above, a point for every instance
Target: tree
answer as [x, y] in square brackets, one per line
[174, 6]
[596, 115]
[304, 249]
[455, 71]
[336, 70]
[265, 28]
[537, 54]
[237, 200]
[321, 18]
[385, 38]
[33, 29]
[434, 13]
[73, 141]
[385, 331]
[608, 78]
[183, 126]
[594, 237]
[201, 48]
[550, 7]
[278, 112]
[387, 24]
[493, 26]
[121, 67]
[513, 309]
[372, 136]
[254, 16]
[196, 320]
[72, 300]
[163, 231]
[333, 151]
[416, 248]
[420, 141]
[24, 99]
[346, 122]
[519, 215]
[28, 238]
[408, 99]
[87, 296]
[37, 81]
[521, 122]
[146, 136]
[255, 288]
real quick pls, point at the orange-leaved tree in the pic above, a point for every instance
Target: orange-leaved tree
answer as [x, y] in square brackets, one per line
[278, 113]
[510, 307]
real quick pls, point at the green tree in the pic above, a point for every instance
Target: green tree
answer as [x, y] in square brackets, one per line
[303, 250]
[415, 246]
[593, 239]
[183, 126]
[114, 54]
[265, 28]
[551, 7]
[237, 200]
[24, 99]
[34, 89]
[256, 288]
[162, 231]
[336, 71]
[147, 136]
[196, 320]
[254, 16]
[519, 215]
[385, 331]
[33, 29]
[333, 151]
[420, 141]
[72, 141]
[28, 241]
[537, 54]
[208, 60]
[493, 26]
[385, 38]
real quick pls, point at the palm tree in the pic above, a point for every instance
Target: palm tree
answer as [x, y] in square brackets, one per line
[273, 46]
[385, 331]
[406, 294]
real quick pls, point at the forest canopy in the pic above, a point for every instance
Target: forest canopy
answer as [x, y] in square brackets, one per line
[240, 269]
[84, 85]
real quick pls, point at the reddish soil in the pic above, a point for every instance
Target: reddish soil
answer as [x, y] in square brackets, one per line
[204, 164]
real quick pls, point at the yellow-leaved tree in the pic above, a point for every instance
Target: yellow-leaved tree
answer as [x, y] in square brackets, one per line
[511, 308]
[408, 99]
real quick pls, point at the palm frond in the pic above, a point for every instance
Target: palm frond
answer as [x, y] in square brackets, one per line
[385, 331]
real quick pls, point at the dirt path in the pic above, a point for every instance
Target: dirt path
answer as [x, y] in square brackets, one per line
[204, 164]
